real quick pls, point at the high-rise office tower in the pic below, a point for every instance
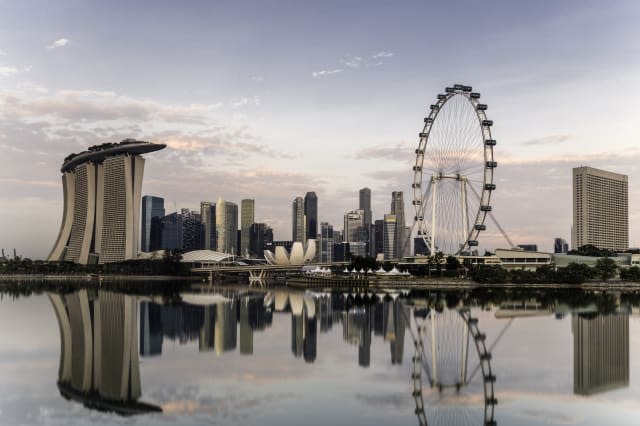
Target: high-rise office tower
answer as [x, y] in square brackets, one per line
[365, 205]
[354, 227]
[298, 220]
[171, 232]
[102, 202]
[397, 209]
[378, 237]
[208, 219]
[227, 226]
[326, 242]
[259, 236]
[247, 212]
[560, 245]
[192, 230]
[389, 241]
[600, 209]
[151, 230]
[311, 215]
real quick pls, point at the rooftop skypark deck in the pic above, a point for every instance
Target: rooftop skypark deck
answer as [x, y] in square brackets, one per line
[98, 153]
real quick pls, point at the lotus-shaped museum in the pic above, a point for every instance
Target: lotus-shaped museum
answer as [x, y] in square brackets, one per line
[300, 254]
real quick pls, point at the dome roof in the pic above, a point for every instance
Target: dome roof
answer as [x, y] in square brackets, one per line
[204, 256]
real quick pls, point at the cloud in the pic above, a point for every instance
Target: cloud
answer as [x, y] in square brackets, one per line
[382, 54]
[324, 73]
[355, 62]
[257, 78]
[548, 140]
[245, 101]
[61, 42]
[352, 61]
[7, 71]
[400, 151]
[3, 53]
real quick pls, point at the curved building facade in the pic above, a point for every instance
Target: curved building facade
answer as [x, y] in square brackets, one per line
[102, 200]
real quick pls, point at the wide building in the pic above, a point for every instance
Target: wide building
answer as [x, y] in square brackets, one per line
[102, 202]
[600, 209]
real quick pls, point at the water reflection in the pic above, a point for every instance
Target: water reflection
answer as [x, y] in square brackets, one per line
[98, 350]
[600, 352]
[103, 334]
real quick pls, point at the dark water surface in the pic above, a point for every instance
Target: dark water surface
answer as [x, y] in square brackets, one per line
[243, 356]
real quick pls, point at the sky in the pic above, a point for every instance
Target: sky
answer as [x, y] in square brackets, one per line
[271, 99]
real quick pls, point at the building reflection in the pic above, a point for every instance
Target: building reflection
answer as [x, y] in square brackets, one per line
[600, 352]
[217, 325]
[99, 350]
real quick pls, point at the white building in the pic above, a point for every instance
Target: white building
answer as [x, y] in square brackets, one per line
[600, 209]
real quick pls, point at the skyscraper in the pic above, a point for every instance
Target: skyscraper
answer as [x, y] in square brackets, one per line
[259, 236]
[365, 206]
[378, 237]
[326, 242]
[102, 202]
[354, 227]
[397, 209]
[389, 241]
[560, 245]
[247, 212]
[226, 226]
[600, 209]
[208, 219]
[171, 232]
[298, 220]
[311, 215]
[192, 230]
[151, 231]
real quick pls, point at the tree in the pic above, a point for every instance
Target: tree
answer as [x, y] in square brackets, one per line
[630, 274]
[452, 264]
[606, 268]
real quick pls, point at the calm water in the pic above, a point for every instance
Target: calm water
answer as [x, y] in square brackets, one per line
[241, 357]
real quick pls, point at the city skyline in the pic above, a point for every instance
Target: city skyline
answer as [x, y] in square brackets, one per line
[233, 122]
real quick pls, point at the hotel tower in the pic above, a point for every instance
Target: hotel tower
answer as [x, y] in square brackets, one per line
[102, 193]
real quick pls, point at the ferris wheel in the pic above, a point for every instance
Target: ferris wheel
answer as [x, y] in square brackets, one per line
[453, 172]
[446, 391]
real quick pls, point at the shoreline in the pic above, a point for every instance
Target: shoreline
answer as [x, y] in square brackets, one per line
[94, 278]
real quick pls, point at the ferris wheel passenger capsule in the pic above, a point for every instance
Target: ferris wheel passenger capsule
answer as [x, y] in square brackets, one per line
[481, 107]
[492, 164]
[475, 95]
[490, 142]
[487, 123]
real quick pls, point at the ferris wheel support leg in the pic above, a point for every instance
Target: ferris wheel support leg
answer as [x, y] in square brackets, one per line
[463, 209]
[433, 348]
[464, 359]
[434, 202]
